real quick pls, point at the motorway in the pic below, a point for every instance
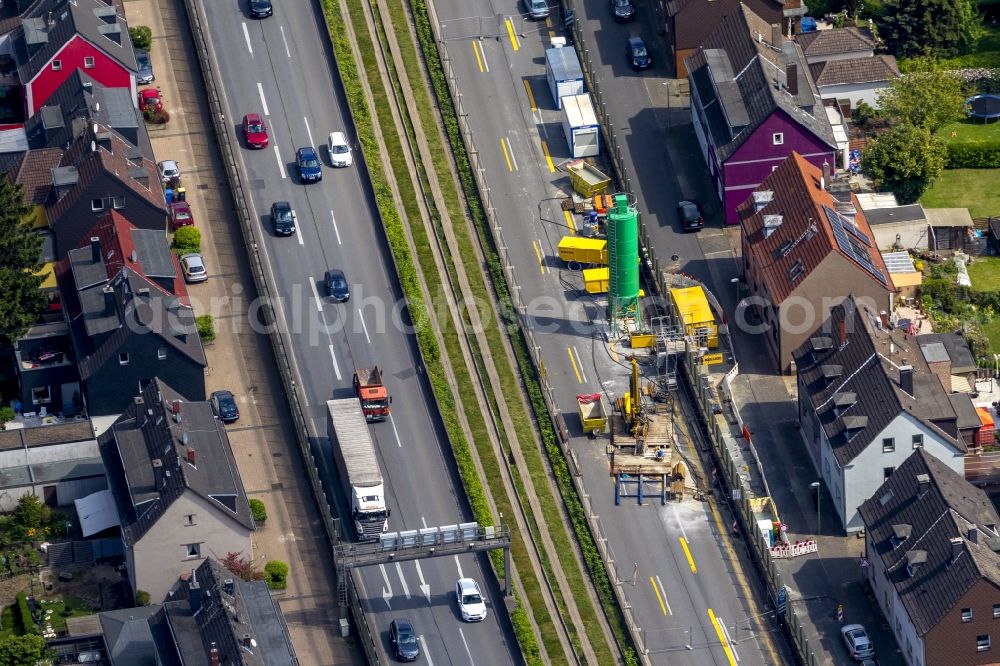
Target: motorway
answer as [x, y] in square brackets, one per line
[681, 573]
[281, 68]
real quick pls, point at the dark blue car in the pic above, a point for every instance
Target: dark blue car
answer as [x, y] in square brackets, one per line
[307, 161]
[224, 406]
[637, 54]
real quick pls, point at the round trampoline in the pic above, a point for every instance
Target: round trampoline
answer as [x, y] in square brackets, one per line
[984, 107]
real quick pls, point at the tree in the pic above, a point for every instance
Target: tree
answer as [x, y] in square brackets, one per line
[939, 28]
[241, 567]
[20, 259]
[142, 37]
[29, 512]
[276, 575]
[25, 650]
[924, 99]
[187, 239]
[905, 160]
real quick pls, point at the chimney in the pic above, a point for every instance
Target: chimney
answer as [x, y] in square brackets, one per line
[191, 456]
[842, 332]
[95, 249]
[175, 407]
[157, 473]
[792, 78]
[109, 301]
[776, 37]
[973, 534]
[906, 378]
[246, 640]
[923, 483]
[956, 548]
[214, 652]
[194, 596]
[883, 318]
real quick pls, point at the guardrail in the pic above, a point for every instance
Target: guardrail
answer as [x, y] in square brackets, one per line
[276, 332]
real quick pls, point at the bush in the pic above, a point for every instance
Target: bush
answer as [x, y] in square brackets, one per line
[141, 598]
[864, 113]
[973, 155]
[142, 37]
[187, 239]
[206, 328]
[6, 414]
[27, 622]
[30, 513]
[258, 511]
[276, 575]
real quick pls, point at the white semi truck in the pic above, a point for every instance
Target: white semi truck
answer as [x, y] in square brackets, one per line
[357, 465]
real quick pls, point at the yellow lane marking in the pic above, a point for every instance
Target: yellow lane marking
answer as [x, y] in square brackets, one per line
[722, 638]
[531, 96]
[538, 253]
[659, 597]
[548, 158]
[479, 59]
[513, 38]
[569, 221]
[572, 360]
[548, 25]
[614, 353]
[687, 554]
[506, 154]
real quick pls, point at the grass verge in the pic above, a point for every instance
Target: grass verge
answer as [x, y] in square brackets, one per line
[974, 189]
[984, 273]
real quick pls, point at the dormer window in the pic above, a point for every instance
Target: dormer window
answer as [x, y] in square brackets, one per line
[900, 533]
[914, 560]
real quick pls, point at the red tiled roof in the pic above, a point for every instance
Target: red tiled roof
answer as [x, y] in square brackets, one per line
[34, 173]
[834, 41]
[855, 70]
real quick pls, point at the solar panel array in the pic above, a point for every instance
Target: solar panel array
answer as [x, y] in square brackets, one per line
[854, 243]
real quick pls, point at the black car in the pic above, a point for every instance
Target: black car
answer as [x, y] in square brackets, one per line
[224, 406]
[145, 68]
[283, 218]
[404, 641]
[261, 8]
[690, 214]
[336, 285]
[623, 10]
[637, 53]
[307, 162]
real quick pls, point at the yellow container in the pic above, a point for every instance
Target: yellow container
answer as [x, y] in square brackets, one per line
[582, 250]
[595, 281]
[695, 313]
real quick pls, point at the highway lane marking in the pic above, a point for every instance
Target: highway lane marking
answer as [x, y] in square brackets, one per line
[263, 102]
[319, 301]
[677, 517]
[387, 590]
[282, 29]
[459, 565]
[364, 328]
[427, 653]
[281, 165]
[337, 231]
[531, 96]
[614, 353]
[402, 581]
[507, 154]
[246, 36]
[308, 132]
[687, 554]
[513, 38]
[729, 639]
[722, 638]
[548, 26]
[423, 521]
[425, 589]
[399, 442]
[480, 57]
[548, 158]
[569, 221]
[336, 368]
[577, 368]
[298, 235]
[664, 602]
[466, 644]
[538, 253]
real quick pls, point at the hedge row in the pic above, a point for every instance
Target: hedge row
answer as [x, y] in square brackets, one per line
[560, 469]
[973, 155]
[24, 614]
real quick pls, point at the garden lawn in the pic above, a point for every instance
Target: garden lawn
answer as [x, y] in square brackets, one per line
[975, 189]
[77, 606]
[970, 131]
[984, 273]
[992, 331]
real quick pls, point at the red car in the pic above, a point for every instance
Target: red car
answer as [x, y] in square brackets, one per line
[180, 214]
[255, 131]
[149, 98]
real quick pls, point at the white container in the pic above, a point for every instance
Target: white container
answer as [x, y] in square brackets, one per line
[579, 120]
[564, 74]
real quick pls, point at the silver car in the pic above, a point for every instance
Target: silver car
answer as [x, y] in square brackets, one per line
[194, 268]
[857, 642]
[536, 9]
[145, 68]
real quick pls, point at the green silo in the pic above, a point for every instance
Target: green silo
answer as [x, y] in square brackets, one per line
[623, 263]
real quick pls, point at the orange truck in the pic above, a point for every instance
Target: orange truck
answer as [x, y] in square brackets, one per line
[374, 397]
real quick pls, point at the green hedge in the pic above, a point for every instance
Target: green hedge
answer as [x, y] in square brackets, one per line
[973, 155]
[276, 575]
[258, 511]
[27, 622]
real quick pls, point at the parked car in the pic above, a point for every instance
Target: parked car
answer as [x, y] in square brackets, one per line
[180, 214]
[337, 286]
[340, 152]
[637, 54]
[857, 641]
[307, 162]
[145, 68]
[169, 170]
[261, 9]
[255, 131]
[623, 10]
[536, 9]
[194, 267]
[403, 639]
[225, 407]
[470, 600]
[282, 218]
[690, 215]
[150, 100]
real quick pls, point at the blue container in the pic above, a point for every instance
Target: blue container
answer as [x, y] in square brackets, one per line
[808, 24]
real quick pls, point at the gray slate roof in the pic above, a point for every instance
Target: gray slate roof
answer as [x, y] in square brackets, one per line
[958, 352]
[139, 636]
[742, 79]
[950, 508]
[888, 215]
[870, 362]
[145, 443]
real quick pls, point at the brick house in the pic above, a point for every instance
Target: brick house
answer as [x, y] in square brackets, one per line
[844, 66]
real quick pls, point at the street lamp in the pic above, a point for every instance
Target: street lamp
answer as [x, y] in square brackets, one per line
[736, 284]
[815, 486]
[996, 365]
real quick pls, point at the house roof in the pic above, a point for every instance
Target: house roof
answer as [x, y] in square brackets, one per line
[954, 344]
[869, 363]
[894, 214]
[949, 217]
[695, 19]
[835, 41]
[811, 225]
[874, 69]
[149, 450]
[741, 73]
[139, 636]
[34, 173]
[947, 508]
[54, 23]
[239, 618]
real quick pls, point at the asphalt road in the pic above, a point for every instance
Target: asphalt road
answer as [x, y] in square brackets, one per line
[281, 68]
[681, 575]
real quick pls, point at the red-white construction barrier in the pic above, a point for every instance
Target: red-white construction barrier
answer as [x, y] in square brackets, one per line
[787, 550]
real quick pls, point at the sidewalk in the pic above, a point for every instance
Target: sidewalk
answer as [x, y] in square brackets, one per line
[239, 359]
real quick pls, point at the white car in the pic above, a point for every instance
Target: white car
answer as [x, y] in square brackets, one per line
[169, 170]
[340, 152]
[194, 268]
[471, 604]
[857, 642]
